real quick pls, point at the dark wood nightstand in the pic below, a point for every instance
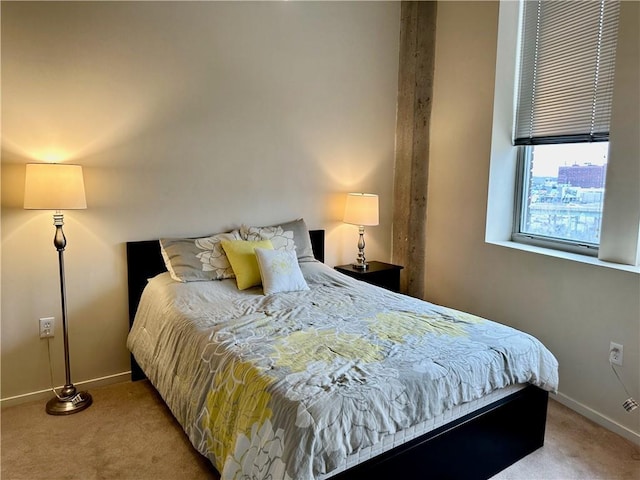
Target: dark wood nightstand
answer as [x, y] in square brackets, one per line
[382, 274]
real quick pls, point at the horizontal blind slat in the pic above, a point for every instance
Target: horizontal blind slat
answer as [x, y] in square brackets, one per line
[566, 70]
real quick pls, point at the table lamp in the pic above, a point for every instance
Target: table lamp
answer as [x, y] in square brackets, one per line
[361, 209]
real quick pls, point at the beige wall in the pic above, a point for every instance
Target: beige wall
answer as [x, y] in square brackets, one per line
[576, 309]
[189, 118]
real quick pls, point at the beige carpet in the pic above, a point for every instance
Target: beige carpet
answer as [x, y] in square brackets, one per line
[128, 433]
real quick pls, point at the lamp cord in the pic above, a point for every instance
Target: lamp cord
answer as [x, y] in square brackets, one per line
[630, 403]
[619, 379]
[51, 369]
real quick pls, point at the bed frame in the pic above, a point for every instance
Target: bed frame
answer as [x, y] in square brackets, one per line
[476, 446]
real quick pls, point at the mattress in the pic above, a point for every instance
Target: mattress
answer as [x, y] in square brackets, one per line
[305, 384]
[391, 441]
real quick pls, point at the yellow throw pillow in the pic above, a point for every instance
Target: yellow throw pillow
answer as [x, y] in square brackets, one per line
[242, 257]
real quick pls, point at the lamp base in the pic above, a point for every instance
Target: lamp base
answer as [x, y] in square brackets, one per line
[361, 262]
[69, 405]
[360, 266]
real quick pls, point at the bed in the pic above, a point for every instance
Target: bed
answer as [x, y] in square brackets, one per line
[474, 435]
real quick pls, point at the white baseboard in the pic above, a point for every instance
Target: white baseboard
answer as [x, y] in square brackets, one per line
[599, 418]
[46, 394]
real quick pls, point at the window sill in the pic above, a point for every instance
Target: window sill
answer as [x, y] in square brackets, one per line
[566, 256]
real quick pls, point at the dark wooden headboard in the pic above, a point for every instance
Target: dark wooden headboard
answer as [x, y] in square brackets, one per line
[145, 261]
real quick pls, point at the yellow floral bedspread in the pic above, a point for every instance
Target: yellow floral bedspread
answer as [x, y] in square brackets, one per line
[286, 386]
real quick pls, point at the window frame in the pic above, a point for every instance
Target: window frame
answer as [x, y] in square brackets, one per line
[523, 160]
[620, 229]
[524, 147]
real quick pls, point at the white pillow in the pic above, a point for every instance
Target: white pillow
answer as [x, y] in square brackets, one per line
[280, 271]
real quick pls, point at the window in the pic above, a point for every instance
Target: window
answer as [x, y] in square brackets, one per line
[562, 194]
[564, 99]
[619, 241]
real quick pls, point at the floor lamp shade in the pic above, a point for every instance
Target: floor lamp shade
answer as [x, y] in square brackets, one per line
[54, 186]
[361, 209]
[58, 187]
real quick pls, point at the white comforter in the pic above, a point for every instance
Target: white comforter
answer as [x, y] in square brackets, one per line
[288, 385]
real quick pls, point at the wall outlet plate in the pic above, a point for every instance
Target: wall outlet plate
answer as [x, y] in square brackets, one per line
[615, 353]
[47, 325]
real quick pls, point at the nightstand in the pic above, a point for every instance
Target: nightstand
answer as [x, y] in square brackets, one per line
[382, 274]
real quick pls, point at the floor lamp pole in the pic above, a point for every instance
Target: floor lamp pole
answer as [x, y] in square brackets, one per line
[68, 401]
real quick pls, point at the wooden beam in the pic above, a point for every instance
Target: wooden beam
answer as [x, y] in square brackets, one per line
[411, 173]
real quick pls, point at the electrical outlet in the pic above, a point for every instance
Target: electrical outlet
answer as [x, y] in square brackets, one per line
[47, 327]
[615, 353]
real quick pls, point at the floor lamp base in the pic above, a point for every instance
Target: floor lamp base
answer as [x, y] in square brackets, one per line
[69, 405]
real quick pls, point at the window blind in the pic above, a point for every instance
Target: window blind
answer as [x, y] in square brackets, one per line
[567, 63]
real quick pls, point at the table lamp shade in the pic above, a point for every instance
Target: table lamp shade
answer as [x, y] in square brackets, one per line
[361, 209]
[54, 186]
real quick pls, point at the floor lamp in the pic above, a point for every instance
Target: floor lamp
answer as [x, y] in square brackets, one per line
[58, 187]
[361, 209]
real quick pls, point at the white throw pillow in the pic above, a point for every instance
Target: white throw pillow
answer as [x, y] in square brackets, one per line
[280, 271]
